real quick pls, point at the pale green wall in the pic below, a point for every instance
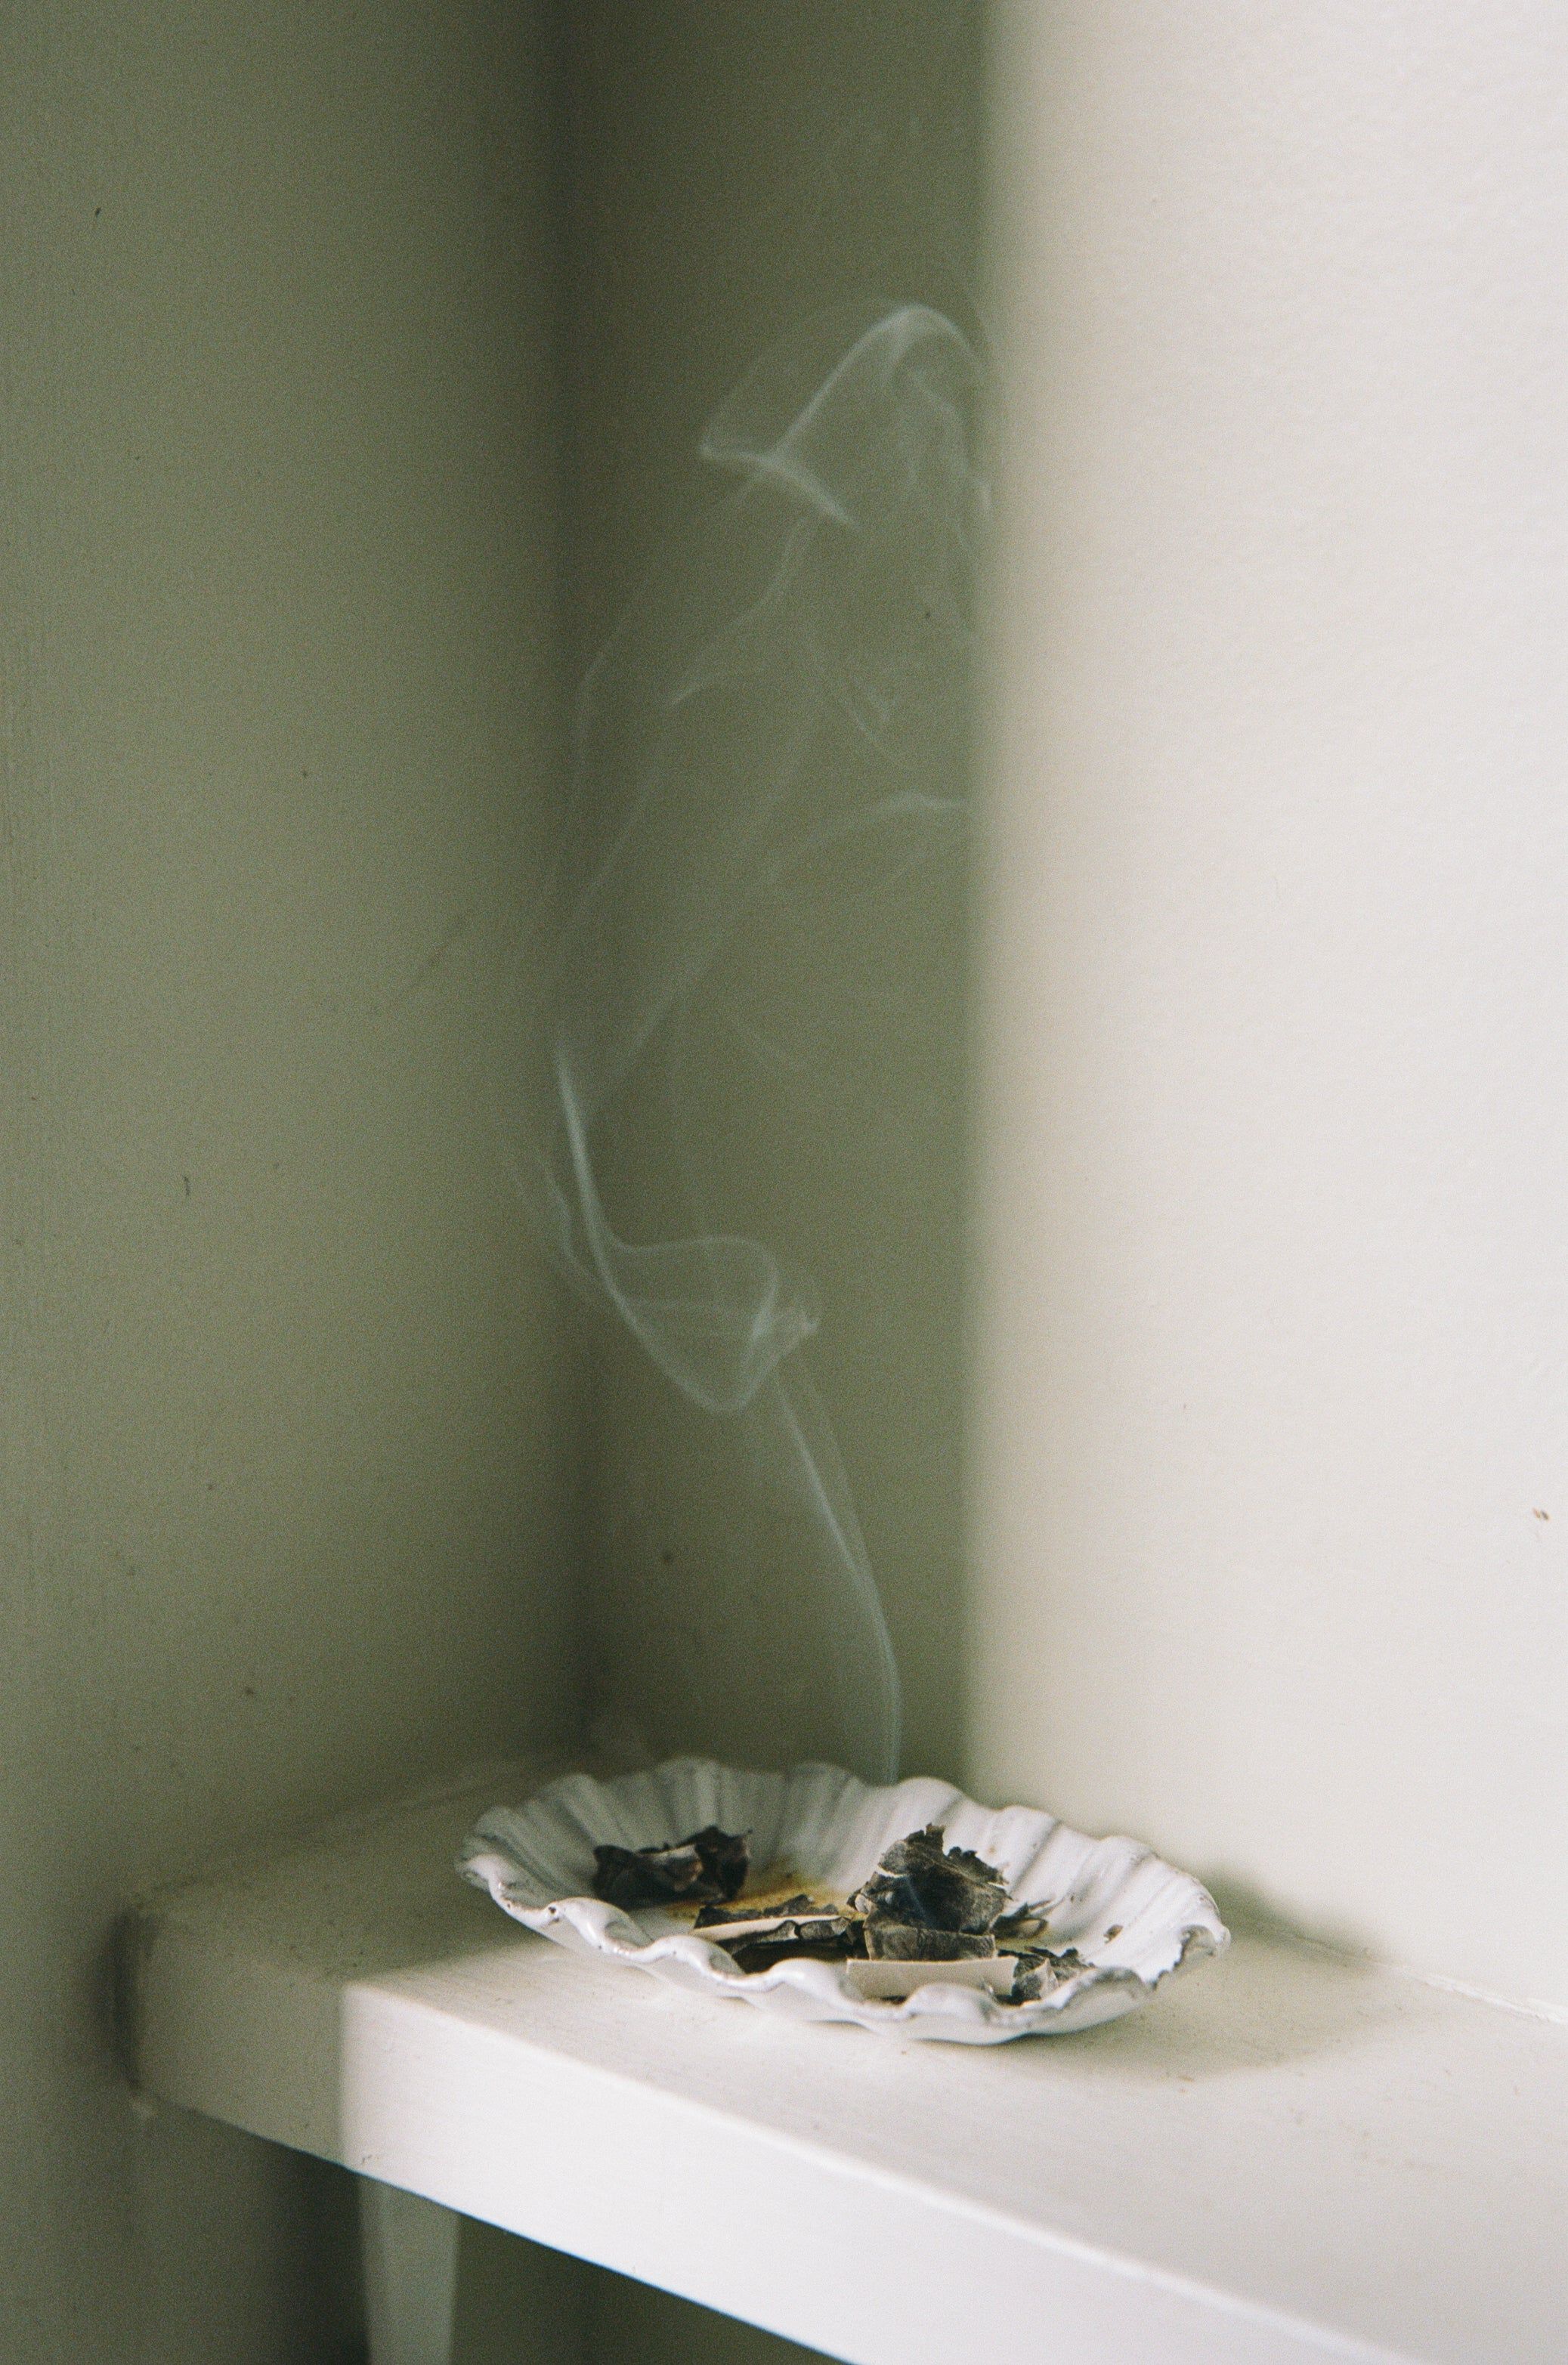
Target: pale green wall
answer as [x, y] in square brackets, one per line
[290, 1444]
[738, 165]
[280, 1428]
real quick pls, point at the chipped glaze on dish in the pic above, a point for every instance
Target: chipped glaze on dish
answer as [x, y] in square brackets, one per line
[1135, 1920]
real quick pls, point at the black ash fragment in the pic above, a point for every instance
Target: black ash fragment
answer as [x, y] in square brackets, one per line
[824, 1938]
[909, 1942]
[1018, 1932]
[1038, 1971]
[925, 1886]
[1066, 1962]
[633, 1877]
[709, 1866]
[726, 1859]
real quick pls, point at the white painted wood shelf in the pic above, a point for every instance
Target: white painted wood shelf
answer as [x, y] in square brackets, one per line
[1287, 2157]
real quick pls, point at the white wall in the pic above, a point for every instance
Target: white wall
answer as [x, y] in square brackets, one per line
[1272, 1513]
[276, 1378]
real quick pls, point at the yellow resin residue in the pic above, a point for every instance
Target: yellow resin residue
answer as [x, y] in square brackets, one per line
[767, 1892]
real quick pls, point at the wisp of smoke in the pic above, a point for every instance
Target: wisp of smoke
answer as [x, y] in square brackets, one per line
[790, 680]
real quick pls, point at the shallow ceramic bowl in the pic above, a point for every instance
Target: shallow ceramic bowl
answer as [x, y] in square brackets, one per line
[1135, 1920]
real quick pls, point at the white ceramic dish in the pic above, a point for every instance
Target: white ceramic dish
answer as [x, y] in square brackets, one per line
[1135, 1920]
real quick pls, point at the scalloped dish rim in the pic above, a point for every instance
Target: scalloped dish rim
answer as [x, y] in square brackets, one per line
[1137, 1920]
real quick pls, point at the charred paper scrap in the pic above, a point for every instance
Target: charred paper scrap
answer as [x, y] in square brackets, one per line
[710, 1866]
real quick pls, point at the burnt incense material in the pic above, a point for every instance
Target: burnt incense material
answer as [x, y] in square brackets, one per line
[929, 1903]
[912, 1942]
[1037, 1972]
[926, 1904]
[829, 1938]
[840, 1901]
[920, 1885]
[731, 1917]
[709, 1866]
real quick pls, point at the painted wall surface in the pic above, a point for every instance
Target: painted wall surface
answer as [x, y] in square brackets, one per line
[280, 1491]
[1272, 1509]
[736, 171]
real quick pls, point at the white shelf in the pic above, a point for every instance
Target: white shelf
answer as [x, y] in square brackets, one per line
[1287, 2157]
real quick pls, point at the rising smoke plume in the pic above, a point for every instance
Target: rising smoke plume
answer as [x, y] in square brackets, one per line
[788, 688]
